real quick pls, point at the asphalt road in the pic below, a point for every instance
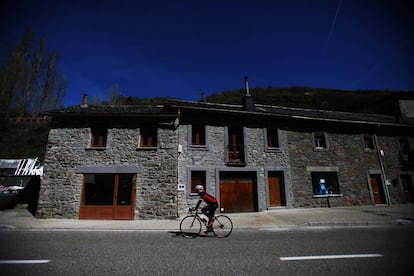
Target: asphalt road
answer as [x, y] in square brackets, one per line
[325, 251]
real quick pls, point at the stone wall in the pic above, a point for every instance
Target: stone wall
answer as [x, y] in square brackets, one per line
[392, 167]
[212, 160]
[268, 160]
[68, 148]
[207, 159]
[354, 164]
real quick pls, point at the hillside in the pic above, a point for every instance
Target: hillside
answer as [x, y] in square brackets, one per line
[20, 141]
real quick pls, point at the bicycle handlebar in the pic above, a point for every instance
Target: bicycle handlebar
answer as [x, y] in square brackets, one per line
[193, 210]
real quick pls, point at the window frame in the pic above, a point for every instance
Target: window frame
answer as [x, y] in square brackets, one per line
[365, 137]
[324, 136]
[328, 177]
[203, 132]
[406, 153]
[227, 143]
[100, 134]
[275, 136]
[192, 181]
[148, 132]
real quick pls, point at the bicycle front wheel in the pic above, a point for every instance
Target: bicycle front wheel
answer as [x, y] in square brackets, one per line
[222, 226]
[190, 226]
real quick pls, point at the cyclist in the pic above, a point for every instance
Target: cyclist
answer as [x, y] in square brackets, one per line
[210, 208]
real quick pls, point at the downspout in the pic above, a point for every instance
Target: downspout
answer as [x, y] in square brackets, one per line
[384, 181]
[178, 157]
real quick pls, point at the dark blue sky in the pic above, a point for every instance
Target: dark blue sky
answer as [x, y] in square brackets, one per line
[177, 48]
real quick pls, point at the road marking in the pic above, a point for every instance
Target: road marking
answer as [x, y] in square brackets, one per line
[24, 261]
[326, 257]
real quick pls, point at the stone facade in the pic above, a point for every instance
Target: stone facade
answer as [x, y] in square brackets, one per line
[212, 159]
[297, 158]
[68, 149]
[346, 155]
[163, 173]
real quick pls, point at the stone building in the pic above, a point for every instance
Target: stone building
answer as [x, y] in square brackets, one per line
[265, 157]
[110, 162]
[134, 162]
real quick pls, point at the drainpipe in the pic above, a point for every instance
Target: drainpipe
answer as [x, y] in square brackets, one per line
[178, 161]
[380, 153]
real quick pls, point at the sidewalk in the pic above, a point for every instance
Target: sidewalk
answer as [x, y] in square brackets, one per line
[278, 218]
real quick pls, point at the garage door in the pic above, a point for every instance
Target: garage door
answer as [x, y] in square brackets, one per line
[238, 194]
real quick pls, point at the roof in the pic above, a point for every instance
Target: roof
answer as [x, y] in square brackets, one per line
[113, 110]
[170, 109]
[297, 113]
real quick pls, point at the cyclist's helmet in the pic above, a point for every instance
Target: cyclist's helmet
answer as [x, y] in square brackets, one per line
[199, 188]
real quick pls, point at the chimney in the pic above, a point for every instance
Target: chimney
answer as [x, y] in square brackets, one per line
[84, 100]
[248, 103]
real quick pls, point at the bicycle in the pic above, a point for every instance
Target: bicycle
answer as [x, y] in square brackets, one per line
[191, 225]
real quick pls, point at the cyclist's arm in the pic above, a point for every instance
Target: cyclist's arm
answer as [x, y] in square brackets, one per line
[198, 204]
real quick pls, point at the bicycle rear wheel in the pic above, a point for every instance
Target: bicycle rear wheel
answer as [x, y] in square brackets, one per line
[190, 226]
[222, 226]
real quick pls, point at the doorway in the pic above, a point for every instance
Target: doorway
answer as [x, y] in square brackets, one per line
[108, 196]
[408, 187]
[276, 189]
[377, 189]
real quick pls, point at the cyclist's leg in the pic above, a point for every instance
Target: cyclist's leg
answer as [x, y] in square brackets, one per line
[206, 210]
[209, 211]
[212, 213]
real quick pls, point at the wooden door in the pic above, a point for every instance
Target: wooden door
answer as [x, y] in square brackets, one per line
[124, 197]
[377, 189]
[228, 196]
[238, 194]
[276, 189]
[408, 188]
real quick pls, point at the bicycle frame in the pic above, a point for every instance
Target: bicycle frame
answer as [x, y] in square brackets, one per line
[197, 214]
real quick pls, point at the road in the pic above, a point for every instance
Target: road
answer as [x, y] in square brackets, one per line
[325, 251]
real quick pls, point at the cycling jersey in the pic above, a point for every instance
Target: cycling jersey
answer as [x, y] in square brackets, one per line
[209, 199]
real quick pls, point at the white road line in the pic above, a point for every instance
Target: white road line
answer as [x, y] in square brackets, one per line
[326, 257]
[24, 261]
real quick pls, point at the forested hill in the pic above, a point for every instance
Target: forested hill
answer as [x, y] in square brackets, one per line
[363, 101]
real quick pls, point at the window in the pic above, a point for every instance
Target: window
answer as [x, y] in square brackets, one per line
[235, 147]
[324, 183]
[98, 139]
[197, 178]
[368, 142]
[148, 137]
[99, 189]
[320, 140]
[198, 136]
[407, 154]
[108, 196]
[272, 138]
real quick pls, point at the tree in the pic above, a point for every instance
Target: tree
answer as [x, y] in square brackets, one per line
[30, 81]
[114, 95]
